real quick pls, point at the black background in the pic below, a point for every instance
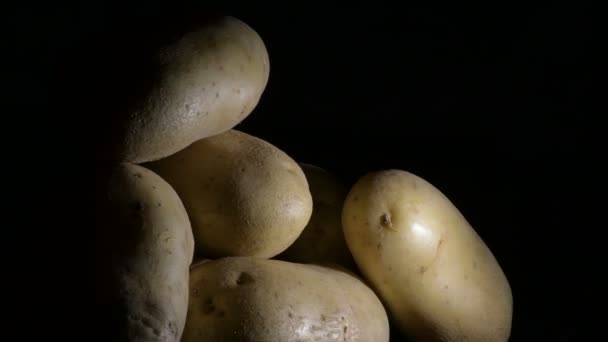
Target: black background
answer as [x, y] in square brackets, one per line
[487, 103]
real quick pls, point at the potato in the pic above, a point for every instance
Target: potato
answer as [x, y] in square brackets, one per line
[206, 82]
[244, 196]
[252, 299]
[147, 248]
[439, 280]
[322, 241]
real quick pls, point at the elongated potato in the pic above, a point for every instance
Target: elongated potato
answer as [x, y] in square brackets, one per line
[322, 241]
[244, 196]
[206, 82]
[250, 299]
[147, 250]
[437, 277]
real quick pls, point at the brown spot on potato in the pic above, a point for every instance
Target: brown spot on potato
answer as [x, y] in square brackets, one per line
[323, 318]
[221, 67]
[146, 322]
[244, 278]
[379, 245]
[385, 220]
[217, 94]
[138, 207]
[138, 175]
[213, 84]
[439, 244]
[208, 307]
[290, 315]
[356, 199]
[423, 269]
[173, 328]
[221, 313]
[159, 204]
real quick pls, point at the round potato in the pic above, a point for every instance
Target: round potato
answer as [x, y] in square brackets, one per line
[147, 248]
[250, 299]
[439, 280]
[244, 196]
[322, 241]
[206, 82]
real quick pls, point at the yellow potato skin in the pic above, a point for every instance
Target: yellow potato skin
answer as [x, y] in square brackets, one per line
[147, 250]
[438, 279]
[208, 81]
[322, 241]
[244, 196]
[250, 299]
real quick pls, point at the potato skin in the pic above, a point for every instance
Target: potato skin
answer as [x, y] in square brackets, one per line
[439, 280]
[322, 240]
[244, 196]
[148, 248]
[251, 299]
[207, 81]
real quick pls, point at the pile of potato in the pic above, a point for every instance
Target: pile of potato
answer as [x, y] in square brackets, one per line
[217, 235]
